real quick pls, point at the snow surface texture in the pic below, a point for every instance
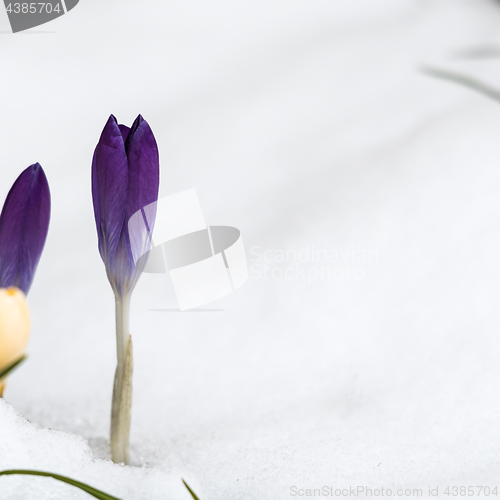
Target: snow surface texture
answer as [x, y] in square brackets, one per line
[307, 125]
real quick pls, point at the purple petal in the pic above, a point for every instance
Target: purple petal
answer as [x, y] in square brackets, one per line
[24, 224]
[144, 167]
[109, 187]
[95, 192]
[144, 179]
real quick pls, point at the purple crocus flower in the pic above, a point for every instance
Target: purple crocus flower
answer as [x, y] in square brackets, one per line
[125, 179]
[24, 224]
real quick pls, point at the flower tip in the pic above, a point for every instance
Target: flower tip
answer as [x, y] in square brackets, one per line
[112, 122]
[137, 122]
[35, 169]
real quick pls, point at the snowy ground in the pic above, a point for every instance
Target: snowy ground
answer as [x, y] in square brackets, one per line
[308, 125]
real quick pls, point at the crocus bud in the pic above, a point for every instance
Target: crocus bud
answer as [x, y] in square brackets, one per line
[125, 179]
[14, 327]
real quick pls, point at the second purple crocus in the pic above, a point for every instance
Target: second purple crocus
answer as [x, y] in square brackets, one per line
[24, 223]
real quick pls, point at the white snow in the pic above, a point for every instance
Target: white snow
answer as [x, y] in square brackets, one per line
[309, 126]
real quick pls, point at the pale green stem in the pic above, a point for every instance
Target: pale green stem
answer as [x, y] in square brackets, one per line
[122, 309]
[122, 390]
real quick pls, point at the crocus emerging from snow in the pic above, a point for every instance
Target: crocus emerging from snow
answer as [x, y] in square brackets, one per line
[125, 179]
[14, 327]
[24, 223]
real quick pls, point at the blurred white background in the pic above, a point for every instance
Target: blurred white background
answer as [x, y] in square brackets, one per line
[307, 125]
